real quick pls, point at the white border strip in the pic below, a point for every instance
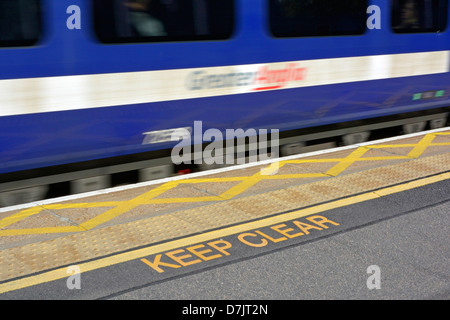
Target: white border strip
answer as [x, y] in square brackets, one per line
[211, 172]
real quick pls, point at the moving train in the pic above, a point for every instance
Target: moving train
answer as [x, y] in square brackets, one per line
[92, 91]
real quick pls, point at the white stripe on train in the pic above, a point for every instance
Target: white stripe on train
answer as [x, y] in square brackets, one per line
[37, 95]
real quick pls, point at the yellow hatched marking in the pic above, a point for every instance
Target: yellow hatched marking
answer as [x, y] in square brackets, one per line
[347, 161]
[19, 216]
[128, 205]
[225, 179]
[180, 200]
[241, 187]
[296, 176]
[421, 146]
[269, 173]
[61, 273]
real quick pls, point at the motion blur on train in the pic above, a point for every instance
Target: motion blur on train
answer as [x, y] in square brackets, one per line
[92, 91]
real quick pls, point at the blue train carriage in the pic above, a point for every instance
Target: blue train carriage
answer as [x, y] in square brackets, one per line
[92, 90]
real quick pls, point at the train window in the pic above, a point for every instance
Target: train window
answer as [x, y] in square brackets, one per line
[128, 21]
[20, 22]
[315, 18]
[417, 16]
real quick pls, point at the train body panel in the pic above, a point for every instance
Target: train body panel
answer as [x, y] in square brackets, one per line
[62, 100]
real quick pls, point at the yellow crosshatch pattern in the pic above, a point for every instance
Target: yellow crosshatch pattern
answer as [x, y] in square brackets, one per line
[118, 208]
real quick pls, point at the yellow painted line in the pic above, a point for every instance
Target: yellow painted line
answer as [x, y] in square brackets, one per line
[207, 180]
[60, 206]
[440, 144]
[325, 160]
[241, 187]
[128, 205]
[385, 158]
[272, 169]
[409, 145]
[296, 176]
[207, 236]
[421, 146]
[347, 161]
[412, 185]
[181, 200]
[19, 216]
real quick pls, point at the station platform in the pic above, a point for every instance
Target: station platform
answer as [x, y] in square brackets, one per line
[39, 241]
